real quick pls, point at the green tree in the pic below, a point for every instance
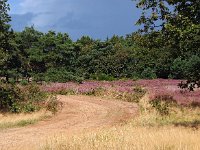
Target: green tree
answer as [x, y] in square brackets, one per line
[178, 21]
[7, 44]
[27, 45]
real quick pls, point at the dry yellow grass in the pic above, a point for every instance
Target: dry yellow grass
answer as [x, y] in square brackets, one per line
[147, 131]
[179, 116]
[23, 119]
[129, 137]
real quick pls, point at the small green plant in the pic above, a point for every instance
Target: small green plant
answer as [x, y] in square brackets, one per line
[24, 82]
[30, 107]
[162, 104]
[102, 77]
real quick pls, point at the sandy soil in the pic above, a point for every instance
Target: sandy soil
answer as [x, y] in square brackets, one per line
[79, 114]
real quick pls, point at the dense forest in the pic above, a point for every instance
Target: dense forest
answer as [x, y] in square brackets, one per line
[168, 50]
[55, 57]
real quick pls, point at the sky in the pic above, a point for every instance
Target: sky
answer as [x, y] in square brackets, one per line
[98, 19]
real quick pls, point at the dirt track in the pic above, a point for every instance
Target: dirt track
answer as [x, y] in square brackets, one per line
[79, 114]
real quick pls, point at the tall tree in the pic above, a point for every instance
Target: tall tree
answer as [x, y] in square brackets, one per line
[7, 56]
[179, 23]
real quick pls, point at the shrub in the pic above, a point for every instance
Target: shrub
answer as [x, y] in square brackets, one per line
[30, 107]
[187, 69]
[33, 93]
[178, 69]
[162, 104]
[138, 94]
[53, 104]
[10, 97]
[17, 99]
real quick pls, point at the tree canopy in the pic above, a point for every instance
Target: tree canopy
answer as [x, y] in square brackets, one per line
[167, 47]
[178, 22]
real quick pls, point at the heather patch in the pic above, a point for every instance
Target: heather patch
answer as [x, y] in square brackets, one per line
[129, 88]
[160, 87]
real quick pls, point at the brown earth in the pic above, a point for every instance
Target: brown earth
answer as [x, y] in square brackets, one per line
[79, 114]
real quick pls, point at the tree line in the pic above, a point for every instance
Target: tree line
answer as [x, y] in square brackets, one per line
[168, 48]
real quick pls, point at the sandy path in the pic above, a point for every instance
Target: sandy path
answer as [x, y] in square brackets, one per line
[79, 114]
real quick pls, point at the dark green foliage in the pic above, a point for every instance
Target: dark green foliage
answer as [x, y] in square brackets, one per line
[60, 75]
[8, 52]
[178, 69]
[32, 93]
[148, 73]
[193, 68]
[10, 97]
[53, 57]
[28, 98]
[186, 68]
[24, 82]
[172, 50]
[178, 22]
[102, 77]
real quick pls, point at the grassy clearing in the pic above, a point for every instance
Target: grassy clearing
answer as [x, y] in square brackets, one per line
[21, 120]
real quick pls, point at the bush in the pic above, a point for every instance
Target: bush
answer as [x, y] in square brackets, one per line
[10, 97]
[162, 104]
[53, 104]
[178, 69]
[30, 98]
[189, 69]
[192, 68]
[33, 93]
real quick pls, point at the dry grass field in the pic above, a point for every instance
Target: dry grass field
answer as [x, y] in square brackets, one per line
[146, 131]
[129, 137]
[101, 120]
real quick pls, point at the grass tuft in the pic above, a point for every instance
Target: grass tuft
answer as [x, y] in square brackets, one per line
[20, 120]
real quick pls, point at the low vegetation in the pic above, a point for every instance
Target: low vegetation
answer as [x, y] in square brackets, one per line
[128, 89]
[23, 119]
[25, 99]
[161, 102]
[161, 124]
